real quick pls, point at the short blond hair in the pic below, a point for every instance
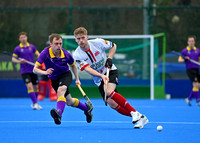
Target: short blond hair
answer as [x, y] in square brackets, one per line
[80, 30]
[54, 35]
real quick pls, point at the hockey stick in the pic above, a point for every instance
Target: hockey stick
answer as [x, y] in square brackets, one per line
[106, 87]
[28, 62]
[193, 61]
[86, 97]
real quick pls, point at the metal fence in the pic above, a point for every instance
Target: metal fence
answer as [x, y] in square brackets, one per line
[176, 22]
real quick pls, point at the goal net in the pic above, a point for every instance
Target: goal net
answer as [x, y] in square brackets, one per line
[137, 61]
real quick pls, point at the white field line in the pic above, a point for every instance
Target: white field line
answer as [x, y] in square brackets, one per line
[104, 122]
[96, 106]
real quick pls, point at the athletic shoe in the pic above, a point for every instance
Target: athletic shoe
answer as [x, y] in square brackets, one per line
[56, 116]
[135, 116]
[198, 103]
[88, 113]
[143, 121]
[188, 101]
[36, 106]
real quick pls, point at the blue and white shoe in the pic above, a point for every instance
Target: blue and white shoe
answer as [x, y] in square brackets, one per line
[198, 103]
[188, 102]
[36, 106]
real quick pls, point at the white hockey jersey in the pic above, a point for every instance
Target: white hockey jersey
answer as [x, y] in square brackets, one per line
[95, 57]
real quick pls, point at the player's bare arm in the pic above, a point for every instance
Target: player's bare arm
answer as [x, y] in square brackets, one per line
[22, 61]
[37, 70]
[95, 73]
[112, 51]
[75, 71]
[181, 59]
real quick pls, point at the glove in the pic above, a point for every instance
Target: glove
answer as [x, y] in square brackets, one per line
[108, 63]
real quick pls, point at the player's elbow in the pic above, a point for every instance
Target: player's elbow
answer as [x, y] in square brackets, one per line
[34, 70]
[114, 46]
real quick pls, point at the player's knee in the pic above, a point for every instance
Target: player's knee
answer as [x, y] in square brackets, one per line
[29, 86]
[62, 90]
[195, 85]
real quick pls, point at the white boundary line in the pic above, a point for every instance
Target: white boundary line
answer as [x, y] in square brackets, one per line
[100, 106]
[104, 122]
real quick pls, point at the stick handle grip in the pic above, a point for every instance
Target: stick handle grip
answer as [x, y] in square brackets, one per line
[106, 86]
[81, 90]
[30, 63]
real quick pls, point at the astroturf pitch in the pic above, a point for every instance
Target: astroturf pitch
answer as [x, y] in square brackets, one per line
[20, 124]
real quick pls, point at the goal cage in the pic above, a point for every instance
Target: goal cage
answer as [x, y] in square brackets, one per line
[137, 61]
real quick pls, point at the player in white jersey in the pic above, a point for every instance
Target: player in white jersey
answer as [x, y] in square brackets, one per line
[91, 57]
[95, 56]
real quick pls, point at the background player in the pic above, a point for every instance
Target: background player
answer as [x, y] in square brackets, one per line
[91, 57]
[26, 52]
[56, 61]
[192, 52]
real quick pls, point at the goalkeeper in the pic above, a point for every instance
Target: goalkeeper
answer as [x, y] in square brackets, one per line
[91, 57]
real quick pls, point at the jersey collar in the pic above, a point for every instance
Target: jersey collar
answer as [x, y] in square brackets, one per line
[189, 49]
[22, 46]
[87, 50]
[53, 56]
